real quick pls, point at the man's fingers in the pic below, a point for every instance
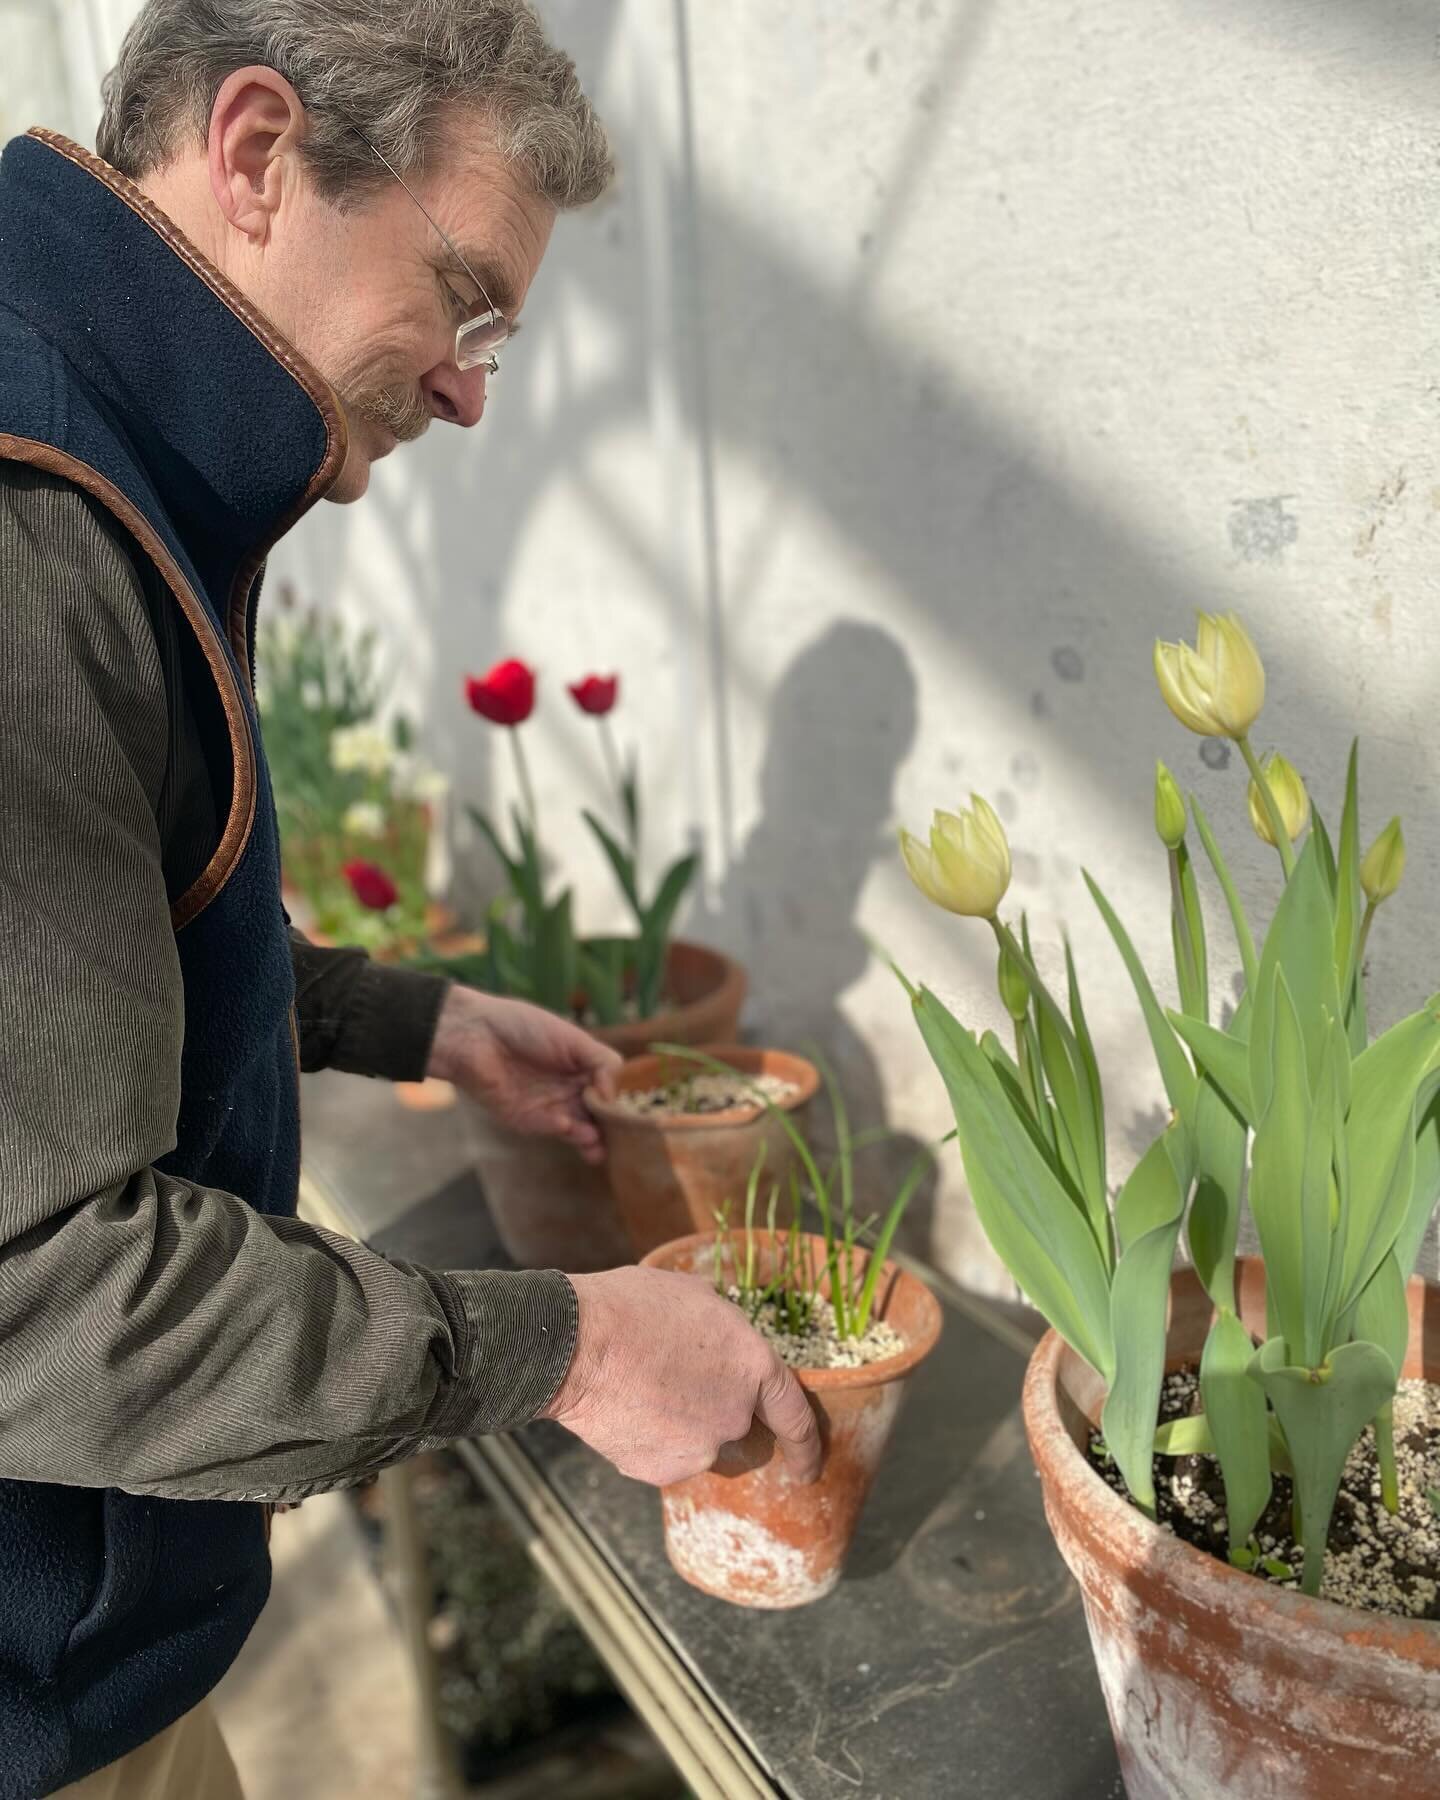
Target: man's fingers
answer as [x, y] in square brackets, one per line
[782, 1406]
[605, 1072]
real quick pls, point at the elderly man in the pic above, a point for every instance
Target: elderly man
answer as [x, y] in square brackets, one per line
[314, 227]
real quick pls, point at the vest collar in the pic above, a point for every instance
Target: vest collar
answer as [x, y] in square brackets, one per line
[239, 435]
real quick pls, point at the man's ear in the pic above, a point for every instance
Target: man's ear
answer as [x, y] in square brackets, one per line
[256, 124]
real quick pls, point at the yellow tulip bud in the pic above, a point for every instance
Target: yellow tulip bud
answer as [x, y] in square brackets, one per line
[1169, 809]
[1218, 688]
[966, 868]
[1384, 864]
[1290, 797]
[1014, 989]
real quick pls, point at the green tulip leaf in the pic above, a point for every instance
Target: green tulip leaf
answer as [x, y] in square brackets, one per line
[1223, 1057]
[1214, 1220]
[1235, 1407]
[1185, 1437]
[1277, 1168]
[1031, 1221]
[1389, 1081]
[1175, 1070]
[1300, 942]
[1244, 941]
[1323, 1411]
[1148, 1211]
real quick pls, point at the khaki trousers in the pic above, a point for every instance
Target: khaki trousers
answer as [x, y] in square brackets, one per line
[187, 1762]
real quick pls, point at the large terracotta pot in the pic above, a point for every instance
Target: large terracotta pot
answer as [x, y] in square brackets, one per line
[671, 1173]
[744, 1530]
[1217, 1683]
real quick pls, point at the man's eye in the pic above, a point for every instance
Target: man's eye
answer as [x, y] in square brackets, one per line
[458, 304]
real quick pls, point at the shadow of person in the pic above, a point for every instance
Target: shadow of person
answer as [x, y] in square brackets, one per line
[842, 720]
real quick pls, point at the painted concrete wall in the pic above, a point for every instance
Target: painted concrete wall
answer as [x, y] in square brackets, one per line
[929, 360]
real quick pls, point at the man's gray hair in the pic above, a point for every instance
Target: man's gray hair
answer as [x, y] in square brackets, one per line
[402, 71]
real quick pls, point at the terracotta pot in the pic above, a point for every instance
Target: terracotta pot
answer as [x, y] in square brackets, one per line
[1217, 1683]
[707, 990]
[552, 1209]
[744, 1530]
[429, 1095]
[671, 1173]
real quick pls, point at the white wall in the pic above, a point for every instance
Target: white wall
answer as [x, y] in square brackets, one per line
[881, 419]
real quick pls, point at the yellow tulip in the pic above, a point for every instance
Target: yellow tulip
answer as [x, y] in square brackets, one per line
[1218, 688]
[1290, 797]
[1384, 864]
[966, 867]
[1169, 809]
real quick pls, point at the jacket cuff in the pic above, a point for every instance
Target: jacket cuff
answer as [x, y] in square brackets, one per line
[389, 1023]
[515, 1337]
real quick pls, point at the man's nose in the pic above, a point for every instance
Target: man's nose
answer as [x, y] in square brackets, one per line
[456, 396]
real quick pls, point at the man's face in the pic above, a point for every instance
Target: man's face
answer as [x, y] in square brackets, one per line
[372, 297]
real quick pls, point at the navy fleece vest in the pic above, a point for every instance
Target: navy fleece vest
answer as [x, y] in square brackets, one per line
[130, 367]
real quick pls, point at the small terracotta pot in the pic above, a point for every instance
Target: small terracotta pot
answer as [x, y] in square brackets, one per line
[745, 1531]
[671, 1173]
[707, 991]
[1217, 1683]
[429, 1095]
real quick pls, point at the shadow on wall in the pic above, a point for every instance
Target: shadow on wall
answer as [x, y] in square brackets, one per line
[788, 904]
[990, 546]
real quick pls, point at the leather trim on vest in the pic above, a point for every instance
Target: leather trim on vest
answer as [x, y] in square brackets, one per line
[318, 389]
[242, 750]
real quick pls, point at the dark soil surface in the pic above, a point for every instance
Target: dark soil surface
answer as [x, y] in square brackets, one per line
[1376, 1560]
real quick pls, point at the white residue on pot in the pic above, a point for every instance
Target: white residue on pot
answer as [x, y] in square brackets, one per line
[735, 1555]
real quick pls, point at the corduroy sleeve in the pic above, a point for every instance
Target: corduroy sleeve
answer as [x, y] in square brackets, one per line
[157, 1336]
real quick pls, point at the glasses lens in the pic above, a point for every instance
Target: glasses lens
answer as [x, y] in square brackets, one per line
[477, 340]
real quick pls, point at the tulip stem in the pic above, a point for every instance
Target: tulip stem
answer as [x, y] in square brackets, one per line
[1271, 805]
[527, 792]
[617, 781]
[1042, 995]
[1357, 972]
[1190, 997]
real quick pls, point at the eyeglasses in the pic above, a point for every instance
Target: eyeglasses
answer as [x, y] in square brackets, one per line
[476, 340]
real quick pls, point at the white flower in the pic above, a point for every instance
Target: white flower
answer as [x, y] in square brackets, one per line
[364, 820]
[428, 784]
[360, 747]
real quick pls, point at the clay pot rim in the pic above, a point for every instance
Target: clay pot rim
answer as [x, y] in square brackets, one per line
[877, 1374]
[644, 1072]
[728, 993]
[1129, 1539]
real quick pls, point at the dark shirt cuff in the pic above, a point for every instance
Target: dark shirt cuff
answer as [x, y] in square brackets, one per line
[516, 1336]
[363, 1017]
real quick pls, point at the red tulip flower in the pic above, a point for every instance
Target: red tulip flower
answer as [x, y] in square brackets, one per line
[506, 696]
[596, 694]
[371, 886]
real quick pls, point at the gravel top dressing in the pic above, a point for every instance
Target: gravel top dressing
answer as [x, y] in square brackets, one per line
[1377, 1561]
[708, 1094]
[820, 1347]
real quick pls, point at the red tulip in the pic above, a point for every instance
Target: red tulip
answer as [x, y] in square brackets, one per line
[370, 885]
[596, 694]
[506, 696]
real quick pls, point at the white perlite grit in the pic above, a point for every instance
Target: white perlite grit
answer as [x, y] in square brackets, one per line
[1376, 1560]
[821, 1346]
[709, 1094]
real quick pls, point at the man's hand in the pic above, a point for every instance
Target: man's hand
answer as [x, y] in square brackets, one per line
[665, 1372]
[527, 1067]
